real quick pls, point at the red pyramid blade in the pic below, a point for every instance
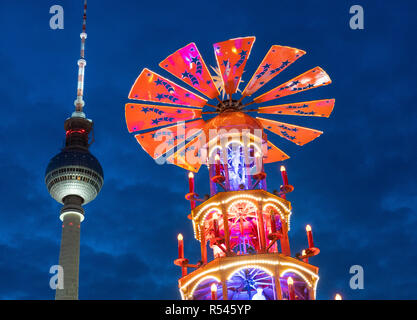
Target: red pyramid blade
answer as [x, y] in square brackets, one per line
[231, 56]
[313, 78]
[188, 157]
[158, 142]
[274, 154]
[318, 108]
[276, 60]
[142, 116]
[293, 133]
[188, 65]
[150, 86]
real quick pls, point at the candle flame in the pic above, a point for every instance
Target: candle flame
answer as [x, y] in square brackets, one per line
[180, 237]
[282, 168]
[303, 252]
[290, 281]
[308, 228]
[217, 157]
[213, 287]
[257, 154]
[215, 216]
[191, 175]
[338, 297]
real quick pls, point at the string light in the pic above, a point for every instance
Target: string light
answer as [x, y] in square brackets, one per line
[255, 263]
[296, 272]
[231, 274]
[201, 280]
[214, 205]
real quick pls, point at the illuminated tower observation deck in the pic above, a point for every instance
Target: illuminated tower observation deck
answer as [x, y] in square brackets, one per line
[74, 177]
[245, 226]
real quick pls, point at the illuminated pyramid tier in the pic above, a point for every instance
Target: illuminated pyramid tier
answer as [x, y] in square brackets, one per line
[244, 226]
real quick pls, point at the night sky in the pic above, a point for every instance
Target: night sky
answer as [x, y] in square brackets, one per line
[356, 185]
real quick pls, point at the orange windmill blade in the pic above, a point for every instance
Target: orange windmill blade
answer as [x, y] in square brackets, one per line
[142, 116]
[188, 65]
[276, 60]
[150, 86]
[231, 57]
[274, 154]
[313, 78]
[293, 133]
[159, 142]
[318, 108]
[188, 157]
[168, 134]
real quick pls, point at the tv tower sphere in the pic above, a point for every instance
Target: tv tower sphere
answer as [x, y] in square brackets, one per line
[74, 171]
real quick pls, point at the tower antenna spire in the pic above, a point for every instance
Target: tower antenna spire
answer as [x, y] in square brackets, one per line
[79, 102]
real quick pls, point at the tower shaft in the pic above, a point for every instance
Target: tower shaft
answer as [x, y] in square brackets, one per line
[69, 256]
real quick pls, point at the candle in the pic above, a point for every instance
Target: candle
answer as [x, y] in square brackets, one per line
[309, 236]
[191, 182]
[213, 291]
[217, 164]
[338, 297]
[180, 246]
[215, 225]
[284, 175]
[291, 290]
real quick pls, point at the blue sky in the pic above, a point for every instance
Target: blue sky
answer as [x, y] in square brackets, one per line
[355, 184]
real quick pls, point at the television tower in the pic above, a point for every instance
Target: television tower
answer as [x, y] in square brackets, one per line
[74, 177]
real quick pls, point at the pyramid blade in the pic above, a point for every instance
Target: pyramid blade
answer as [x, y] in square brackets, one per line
[188, 65]
[231, 56]
[188, 156]
[142, 116]
[313, 78]
[150, 86]
[274, 154]
[293, 133]
[276, 60]
[158, 142]
[317, 108]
